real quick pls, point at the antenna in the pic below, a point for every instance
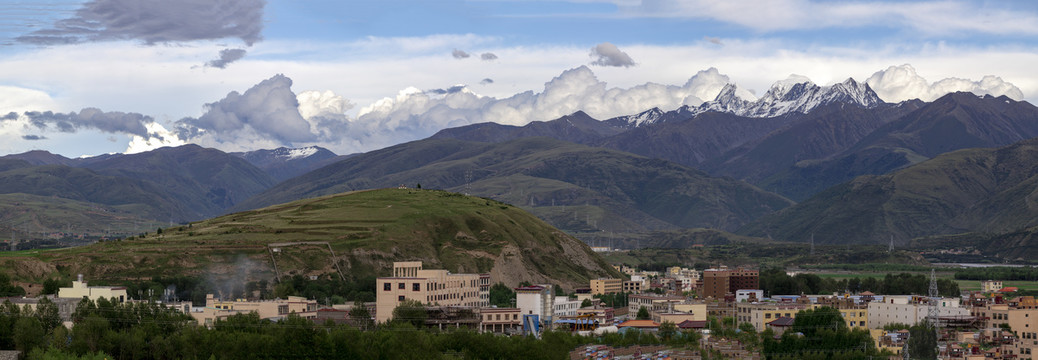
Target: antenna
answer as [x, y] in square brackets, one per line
[933, 313]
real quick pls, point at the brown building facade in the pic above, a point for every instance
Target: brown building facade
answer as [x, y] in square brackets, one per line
[719, 282]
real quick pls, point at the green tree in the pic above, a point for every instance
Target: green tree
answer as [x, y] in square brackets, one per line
[922, 341]
[501, 295]
[7, 289]
[410, 311]
[360, 317]
[28, 333]
[585, 303]
[667, 330]
[47, 313]
[643, 314]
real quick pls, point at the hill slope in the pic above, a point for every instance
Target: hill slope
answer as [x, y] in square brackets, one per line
[575, 187]
[367, 231]
[973, 190]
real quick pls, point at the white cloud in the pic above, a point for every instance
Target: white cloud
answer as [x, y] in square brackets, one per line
[899, 83]
[939, 17]
[16, 99]
[607, 54]
[158, 137]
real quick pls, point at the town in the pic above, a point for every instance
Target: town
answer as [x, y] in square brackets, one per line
[720, 312]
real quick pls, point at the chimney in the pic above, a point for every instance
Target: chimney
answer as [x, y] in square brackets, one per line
[80, 277]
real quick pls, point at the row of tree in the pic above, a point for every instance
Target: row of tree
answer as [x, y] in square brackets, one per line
[775, 281]
[998, 273]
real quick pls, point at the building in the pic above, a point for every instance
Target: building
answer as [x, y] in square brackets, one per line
[651, 302]
[603, 315]
[429, 287]
[80, 290]
[1016, 314]
[564, 306]
[719, 282]
[749, 295]
[910, 310]
[990, 286]
[536, 300]
[602, 286]
[266, 309]
[760, 314]
[631, 286]
[500, 320]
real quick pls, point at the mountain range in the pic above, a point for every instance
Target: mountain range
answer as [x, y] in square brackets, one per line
[856, 165]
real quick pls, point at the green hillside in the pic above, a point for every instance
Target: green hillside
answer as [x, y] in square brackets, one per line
[576, 188]
[974, 190]
[353, 234]
[28, 216]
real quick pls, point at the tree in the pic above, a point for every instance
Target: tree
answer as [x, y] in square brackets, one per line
[501, 295]
[666, 330]
[360, 317]
[410, 311]
[643, 314]
[28, 333]
[47, 314]
[585, 303]
[7, 289]
[922, 341]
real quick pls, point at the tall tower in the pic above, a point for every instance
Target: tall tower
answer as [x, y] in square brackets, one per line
[933, 313]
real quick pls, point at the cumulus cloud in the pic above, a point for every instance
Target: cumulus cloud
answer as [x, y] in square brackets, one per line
[227, 56]
[458, 54]
[607, 54]
[899, 83]
[16, 99]
[156, 21]
[268, 109]
[89, 118]
[158, 136]
[488, 56]
[33, 137]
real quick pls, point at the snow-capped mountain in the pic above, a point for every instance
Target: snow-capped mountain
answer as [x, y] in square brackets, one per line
[646, 117]
[284, 163]
[795, 94]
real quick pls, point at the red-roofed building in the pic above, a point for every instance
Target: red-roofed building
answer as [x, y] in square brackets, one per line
[647, 325]
[692, 325]
[781, 324]
[1008, 289]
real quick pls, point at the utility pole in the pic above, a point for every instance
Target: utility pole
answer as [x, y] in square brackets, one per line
[933, 313]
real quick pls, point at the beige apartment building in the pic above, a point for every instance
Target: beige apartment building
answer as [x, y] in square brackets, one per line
[1021, 316]
[266, 309]
[760, 314]
[80, 290]
[500, 320]
[429, 287]
[907, 309]
[602, 286]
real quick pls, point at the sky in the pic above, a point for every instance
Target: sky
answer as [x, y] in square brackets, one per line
[115, 76]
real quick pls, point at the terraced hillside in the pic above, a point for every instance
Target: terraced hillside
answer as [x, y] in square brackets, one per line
[354, 234]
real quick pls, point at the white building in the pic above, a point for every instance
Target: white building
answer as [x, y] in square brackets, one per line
[565, 307]
[80, 290]
[909, 310]
[535, 300]
[747, 294]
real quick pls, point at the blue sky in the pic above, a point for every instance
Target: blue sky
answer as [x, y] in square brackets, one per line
[368, 74]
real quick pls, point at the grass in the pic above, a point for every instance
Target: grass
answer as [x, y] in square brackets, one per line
[366, 229]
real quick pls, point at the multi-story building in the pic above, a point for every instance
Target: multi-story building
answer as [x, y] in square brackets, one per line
[602, 286]
[909, 310]
[536, 300]
[650, 302]
[760, 314]
[719, 282]
[989, 286]
[1018, 315]
[564, 306]
[266, 309]
[631, 286]
[500, 320]
[429, 287]
[80, 290]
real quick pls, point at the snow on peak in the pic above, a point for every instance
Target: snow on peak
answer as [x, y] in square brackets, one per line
[300, 152]
[794, 94]
[650, 116]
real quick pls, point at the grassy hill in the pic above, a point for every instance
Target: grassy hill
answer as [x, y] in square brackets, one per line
[354, 234]
[576, 188]
[973, 190]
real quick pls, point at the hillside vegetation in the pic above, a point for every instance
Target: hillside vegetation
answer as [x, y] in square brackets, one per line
[353, 235]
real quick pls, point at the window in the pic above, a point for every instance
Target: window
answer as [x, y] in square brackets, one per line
[401, 286]
[387, 287]
[416, 287]
[400, 298]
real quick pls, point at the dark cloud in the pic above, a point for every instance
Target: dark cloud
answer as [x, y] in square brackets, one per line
[607, 54]
[451, 90]
[156, 21]
[10, 116]
[33, 137]
[91, 118]
[458, 54]
[486, 81]
[713, 40]
[488, 56]
[227, 56]
[269, 109]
